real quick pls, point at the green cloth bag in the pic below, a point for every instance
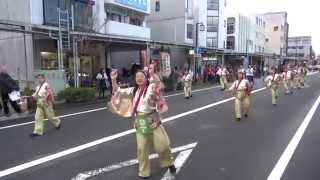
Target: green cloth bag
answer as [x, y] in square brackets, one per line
[143, 124]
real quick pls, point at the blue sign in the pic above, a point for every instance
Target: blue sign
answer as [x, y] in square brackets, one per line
[199, 50]
[136, 4]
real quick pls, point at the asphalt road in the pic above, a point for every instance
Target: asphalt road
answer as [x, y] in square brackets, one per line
[225, 149]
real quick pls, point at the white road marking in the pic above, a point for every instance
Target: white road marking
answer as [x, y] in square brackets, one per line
[102, 140]
[104, 108]
[98, 109]
[88, 174]
[282, 163]
[178, 163]
[63, 116]
[194, 91]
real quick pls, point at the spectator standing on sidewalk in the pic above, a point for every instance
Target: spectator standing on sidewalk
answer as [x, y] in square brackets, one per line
[250, 74]
[175, 77]
[8, 85]
[103, 80]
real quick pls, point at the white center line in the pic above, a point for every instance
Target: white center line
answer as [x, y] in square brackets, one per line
[99, 109]
[60, 154]
[282, 163]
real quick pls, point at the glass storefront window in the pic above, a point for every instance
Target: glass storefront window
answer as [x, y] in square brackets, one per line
[49, 60]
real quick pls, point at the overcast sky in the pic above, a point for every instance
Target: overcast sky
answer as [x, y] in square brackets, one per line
[303, 15]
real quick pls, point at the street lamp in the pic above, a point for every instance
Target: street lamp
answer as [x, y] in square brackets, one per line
[202, 28]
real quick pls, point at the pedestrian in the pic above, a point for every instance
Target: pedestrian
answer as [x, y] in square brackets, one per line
[149, 130]
[206, 73]
[241, 90]
[265, 71]
[44, 97]
[287, 78]
[250, 74]
[223, 72]
[103, 80]
[7, 86]
[273, 81]
[175, 77]
[187, 82]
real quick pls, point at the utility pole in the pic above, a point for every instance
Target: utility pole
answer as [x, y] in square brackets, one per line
[197, 47]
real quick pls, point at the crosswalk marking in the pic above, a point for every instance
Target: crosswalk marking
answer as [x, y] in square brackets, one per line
[185, 152]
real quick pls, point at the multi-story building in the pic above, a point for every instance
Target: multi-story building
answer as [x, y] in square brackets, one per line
[191, 23]
[216, 23]
[245, 39]
[276, 32]
[79, 38]
[300, 48]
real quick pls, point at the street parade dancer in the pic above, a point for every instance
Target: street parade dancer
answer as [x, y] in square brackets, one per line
[273, 81]
[303, 74]
[241, 90]
[154, 78]
[187, 82]
[223, 72]
[287, 77]
[149, 130]
[44, 97]
[297, 76]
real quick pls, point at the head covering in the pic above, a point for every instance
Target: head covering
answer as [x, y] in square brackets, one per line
[40, 74]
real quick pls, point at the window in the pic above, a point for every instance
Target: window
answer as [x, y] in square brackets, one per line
[189, 31]
[212, 42]
[213, 4]
[230, 25]
[257, 21]
[225, 23]
[157, 6]
[212, 23]
[230, 42]
[276, 28]
[300, 47]
[135, 21]
[225, 3]
[264, 24]
[114, 17]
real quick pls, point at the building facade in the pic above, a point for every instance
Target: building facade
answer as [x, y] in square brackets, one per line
[216, 23]
[300, 48]
[245, 40]
[74, 41]
[276, 32]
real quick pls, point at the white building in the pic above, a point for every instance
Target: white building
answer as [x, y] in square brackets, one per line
[245, 34]
[300, 48]
[189, 22]
[122, 17]
[216, 23]
[172, 22]
[276, 32]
